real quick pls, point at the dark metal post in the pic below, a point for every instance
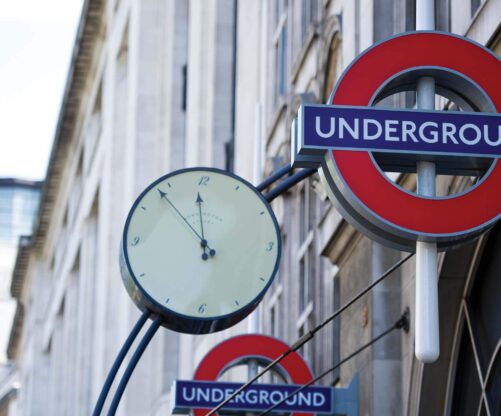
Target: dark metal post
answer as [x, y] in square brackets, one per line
[289, 183]
[275, 176]
[118, 362]
[132, 364]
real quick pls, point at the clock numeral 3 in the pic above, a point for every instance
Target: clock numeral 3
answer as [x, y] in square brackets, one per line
[135, 241]
[270, 245]
[202, 307]
[204, 180]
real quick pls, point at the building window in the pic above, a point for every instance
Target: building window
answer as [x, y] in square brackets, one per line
[307, 201]
[477, 385]
[274, 308]
[307, 266]
[273, 321]
[93, 129]
[475, 5]
[306, 277]
[305, 324]
[280, 50]
[307, 204]
[18, 209]
[275, 325]
[308, 17]
[274, 313]
[74, 198]
[304, 17]
[307, 255]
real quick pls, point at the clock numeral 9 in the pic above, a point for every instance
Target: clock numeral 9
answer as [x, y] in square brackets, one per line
[203, 181]
[270, 245]
[202, 307]
[135, 241]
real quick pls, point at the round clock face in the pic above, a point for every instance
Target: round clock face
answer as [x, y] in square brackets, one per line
[200, 247]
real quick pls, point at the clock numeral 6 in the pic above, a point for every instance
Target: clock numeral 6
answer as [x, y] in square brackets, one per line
[202, 307]
[135, 241]
[203, 181]
[270, 245]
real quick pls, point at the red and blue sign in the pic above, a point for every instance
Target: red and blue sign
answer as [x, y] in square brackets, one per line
[465, 72]
[235, 351]
[205, 392]
[256, 398]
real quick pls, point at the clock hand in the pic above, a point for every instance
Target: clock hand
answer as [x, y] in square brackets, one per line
[163, 195]
[203, 243]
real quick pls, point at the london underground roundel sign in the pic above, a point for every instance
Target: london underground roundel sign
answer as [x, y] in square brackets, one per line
[342, 138]
[206, 392]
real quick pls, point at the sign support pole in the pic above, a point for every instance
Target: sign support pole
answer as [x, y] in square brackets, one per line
[427, 340]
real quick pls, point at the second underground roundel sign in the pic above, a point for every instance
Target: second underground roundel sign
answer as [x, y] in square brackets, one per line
[464, 72]
[258, 397]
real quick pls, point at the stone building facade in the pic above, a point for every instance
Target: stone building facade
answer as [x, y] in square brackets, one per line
[156, 85]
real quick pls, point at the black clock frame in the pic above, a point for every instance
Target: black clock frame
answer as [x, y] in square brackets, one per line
[174, 320]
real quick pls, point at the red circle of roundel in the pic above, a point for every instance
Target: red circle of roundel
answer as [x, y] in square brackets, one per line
[251, 345]
[455, 215]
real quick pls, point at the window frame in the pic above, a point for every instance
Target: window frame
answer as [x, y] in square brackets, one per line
[279, 53]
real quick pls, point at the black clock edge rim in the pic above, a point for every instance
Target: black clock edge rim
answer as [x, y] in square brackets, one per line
[192, 324]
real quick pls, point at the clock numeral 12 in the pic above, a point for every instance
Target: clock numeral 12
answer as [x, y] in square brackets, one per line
[201, 308]
[203, 181]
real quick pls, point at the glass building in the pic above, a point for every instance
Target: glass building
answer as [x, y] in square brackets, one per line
[19, 201]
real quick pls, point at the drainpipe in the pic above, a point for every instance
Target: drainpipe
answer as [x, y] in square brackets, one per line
[230, 144]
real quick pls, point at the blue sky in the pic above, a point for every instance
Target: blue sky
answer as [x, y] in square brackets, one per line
[36, 39]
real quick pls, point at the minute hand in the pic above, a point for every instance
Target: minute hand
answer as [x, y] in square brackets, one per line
[203, 243]
[199, 202]
[164, 196]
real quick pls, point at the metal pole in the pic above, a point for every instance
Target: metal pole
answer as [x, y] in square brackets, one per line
[427, 342]
[288, 183]
[118, 362]
[132, 365]
[275, 176]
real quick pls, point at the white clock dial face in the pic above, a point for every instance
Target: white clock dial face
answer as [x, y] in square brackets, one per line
[202, 243]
